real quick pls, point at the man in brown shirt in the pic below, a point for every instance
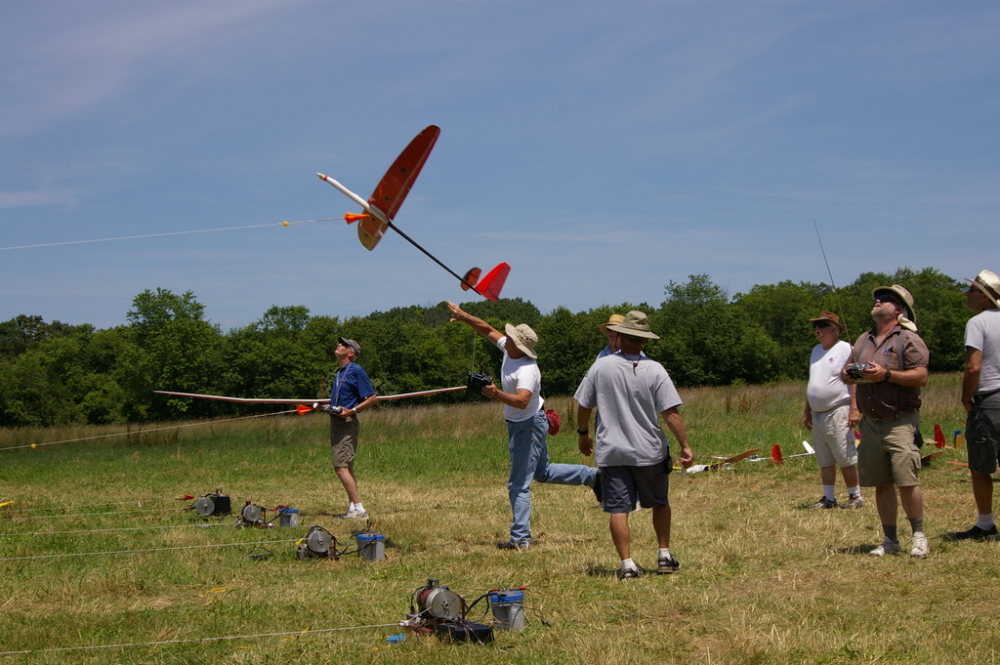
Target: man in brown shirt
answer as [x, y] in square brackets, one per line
[894, 361]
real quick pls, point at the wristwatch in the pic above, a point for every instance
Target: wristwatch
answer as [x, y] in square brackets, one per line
[583, 431]
[888, 375]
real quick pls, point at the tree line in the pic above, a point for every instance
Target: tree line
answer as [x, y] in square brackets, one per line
[55, 373]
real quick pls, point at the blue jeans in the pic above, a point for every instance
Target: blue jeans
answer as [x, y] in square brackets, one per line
[529, 460]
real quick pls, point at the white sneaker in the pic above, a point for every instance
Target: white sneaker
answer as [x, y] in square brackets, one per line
[889, 547]
[353, 514]
[920, 547]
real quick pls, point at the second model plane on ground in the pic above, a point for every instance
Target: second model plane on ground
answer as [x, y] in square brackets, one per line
[380, 209]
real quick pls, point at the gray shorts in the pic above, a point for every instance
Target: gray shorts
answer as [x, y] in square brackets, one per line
[343, 441]
[982, 435]
[622, 485]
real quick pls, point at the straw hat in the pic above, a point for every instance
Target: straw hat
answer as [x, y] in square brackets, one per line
[636, 324]
[613, 320]
[987, 282]
[523, 337]
[902, 295]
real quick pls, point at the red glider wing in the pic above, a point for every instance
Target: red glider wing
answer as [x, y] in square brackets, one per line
[396, 184]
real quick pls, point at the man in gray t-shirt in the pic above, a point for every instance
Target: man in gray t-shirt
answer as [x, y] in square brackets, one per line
[981, 398]
[632, 391]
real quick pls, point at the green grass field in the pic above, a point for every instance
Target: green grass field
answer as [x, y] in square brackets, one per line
[762, 581]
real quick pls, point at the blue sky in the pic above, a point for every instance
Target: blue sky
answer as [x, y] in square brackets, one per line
[602, 149]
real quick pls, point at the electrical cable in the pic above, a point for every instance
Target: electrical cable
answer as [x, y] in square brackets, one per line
[113, 512]
[147, 431]
[169, 233]
[307, 631]
[161, 549]
[124, 528]
[138, 502]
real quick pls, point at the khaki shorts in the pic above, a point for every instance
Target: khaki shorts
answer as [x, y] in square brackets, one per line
[343, 441]
[888, 455]
[833, 438]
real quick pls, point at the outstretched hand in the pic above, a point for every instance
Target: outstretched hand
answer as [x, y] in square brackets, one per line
[457, 313]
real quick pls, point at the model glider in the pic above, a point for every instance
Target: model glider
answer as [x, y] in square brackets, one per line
[304, 405]
[381, 208]
[778, 458]
[727, 462]
[927, 459]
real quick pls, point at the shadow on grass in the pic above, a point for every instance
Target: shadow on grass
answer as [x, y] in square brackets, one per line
[595, 570]
[857, 549]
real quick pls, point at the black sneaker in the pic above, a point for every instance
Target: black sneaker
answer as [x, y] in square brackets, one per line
[666, 565]
[629, 573]
[976, 533]
[512, 545]
[598, 488]
[854, 501]
[823, 503]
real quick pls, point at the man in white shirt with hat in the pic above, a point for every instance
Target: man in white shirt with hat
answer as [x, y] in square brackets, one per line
[981, 398]
[527, 426]
[828, 413]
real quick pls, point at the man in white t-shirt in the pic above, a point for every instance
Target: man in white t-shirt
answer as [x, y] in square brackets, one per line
[829, 414]
[527, 427]
[981, 399]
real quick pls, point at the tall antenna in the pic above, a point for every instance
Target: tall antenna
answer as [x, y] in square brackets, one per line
[829, 272]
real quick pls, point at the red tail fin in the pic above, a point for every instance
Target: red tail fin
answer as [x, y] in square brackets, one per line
[776, 454]
[303, 409]
[489, 286]
[939, 439]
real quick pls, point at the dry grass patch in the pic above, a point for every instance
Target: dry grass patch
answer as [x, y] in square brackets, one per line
[762, 580]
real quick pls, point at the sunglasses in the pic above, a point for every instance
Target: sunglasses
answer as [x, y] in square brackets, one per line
[885, 297]
[822, 324]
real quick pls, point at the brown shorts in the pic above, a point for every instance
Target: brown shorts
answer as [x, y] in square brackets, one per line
[888, 454]
[343, 441]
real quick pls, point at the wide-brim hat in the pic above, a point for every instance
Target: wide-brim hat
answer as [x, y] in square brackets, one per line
[523, 337]
[829, 317]
[902, 294]
[987, 282]
[636, 324]
[351, 344]
[613, 320]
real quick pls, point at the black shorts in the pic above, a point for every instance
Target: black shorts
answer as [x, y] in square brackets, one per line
[623, 485]
[982, 437]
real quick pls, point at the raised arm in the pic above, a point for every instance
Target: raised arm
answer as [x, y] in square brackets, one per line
[477, 324]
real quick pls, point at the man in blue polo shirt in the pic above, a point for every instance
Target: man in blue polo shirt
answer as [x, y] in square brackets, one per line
[351, 393]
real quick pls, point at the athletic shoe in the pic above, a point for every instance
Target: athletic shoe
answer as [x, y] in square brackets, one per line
[889, 547]
[353, 514]
[920, 548]
[823, 503]
[512, 545]
[598, 489]
[629, 573]
[854, 501]
[976, 533]
[666, 565]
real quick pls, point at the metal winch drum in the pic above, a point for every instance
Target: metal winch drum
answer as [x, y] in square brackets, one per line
[439, 602]
[318, 543]
[211, 505]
